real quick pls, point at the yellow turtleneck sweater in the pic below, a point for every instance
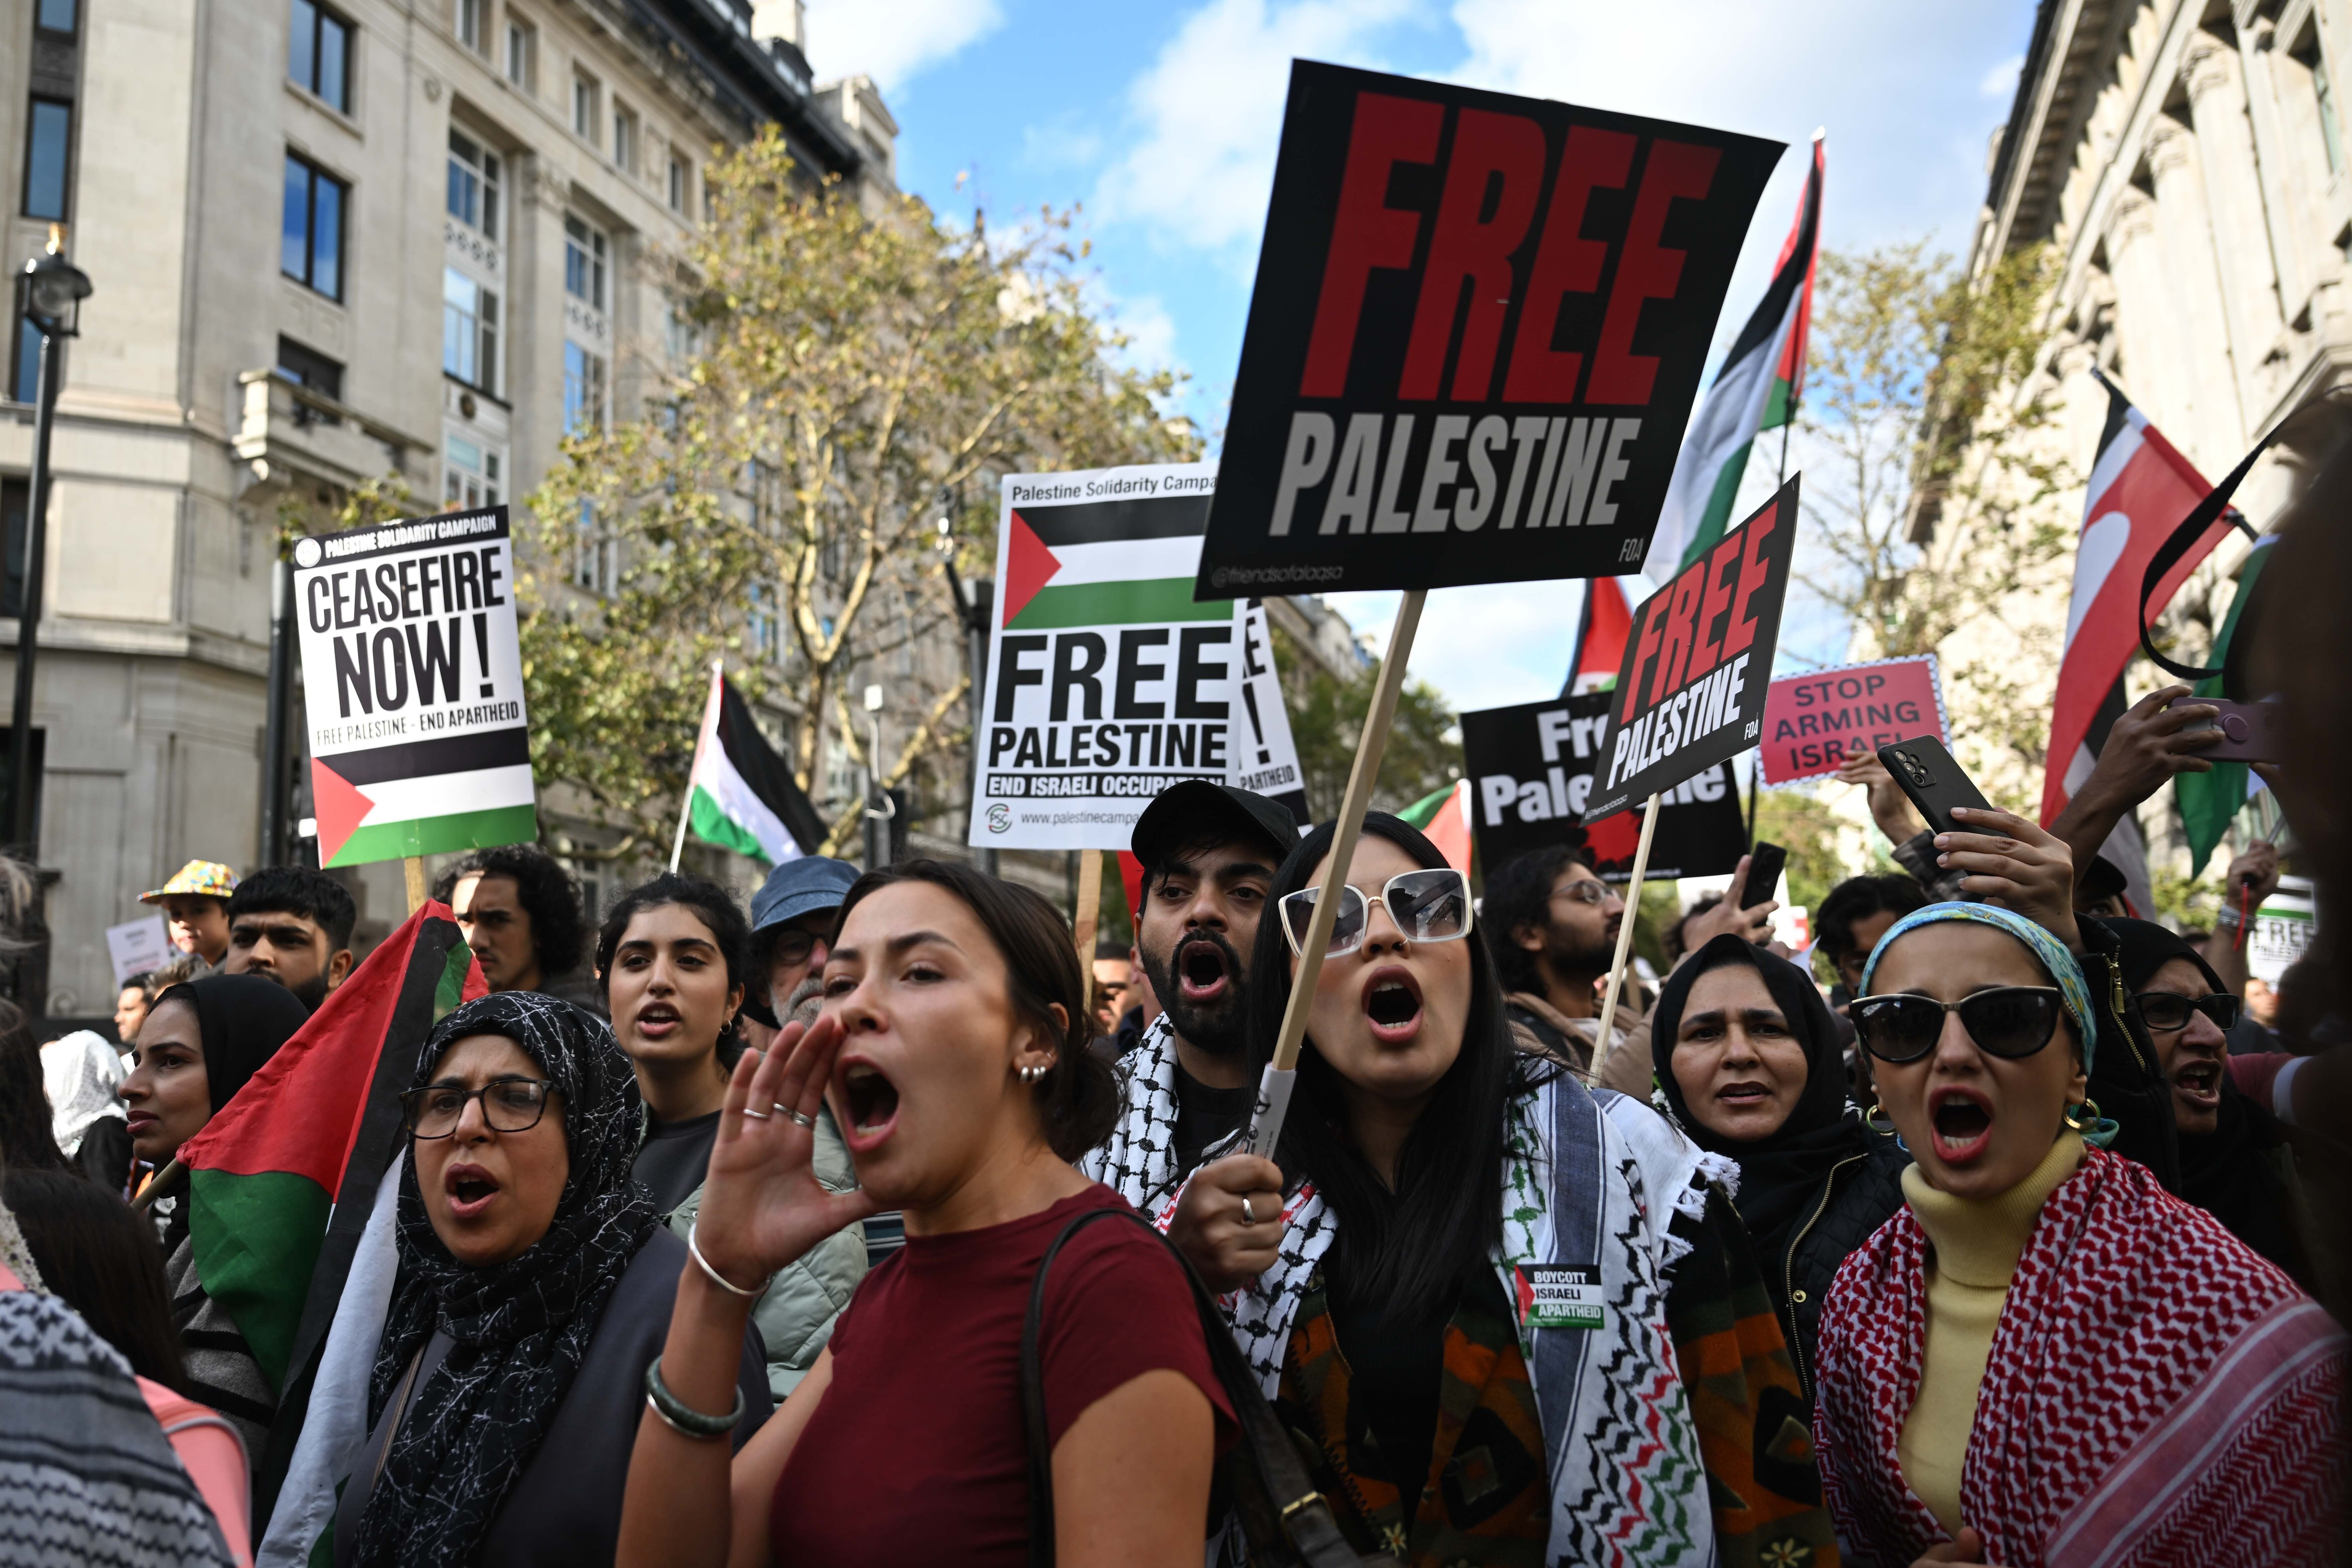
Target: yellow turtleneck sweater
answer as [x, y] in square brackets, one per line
[1976, 1243]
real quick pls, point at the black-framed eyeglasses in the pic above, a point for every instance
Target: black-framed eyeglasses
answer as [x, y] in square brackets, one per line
[1594, 894]
[508, 1105]
[1426, 906]
[793, 945]
[2008, 1021]
[2164, 1012]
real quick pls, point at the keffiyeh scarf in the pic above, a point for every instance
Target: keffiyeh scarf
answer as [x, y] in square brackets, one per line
[2155, 1389]
[1139, 1162]
[522, 1326]
[1592, 1179]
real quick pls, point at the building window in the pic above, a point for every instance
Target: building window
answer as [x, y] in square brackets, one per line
[522, 52]
[763, 628]
[2313, 59]
[624, 140]
[681, 181]
[594, 556]
[25, 368]
[469, 331]
[319, 54]
[55, 16]
[471, 473]
[685, 337]
[48, 147]
[310, 249]
[584, 262]
[584, 116]
[473, 184]
[473, 25]
[583, 390]
[308, 367]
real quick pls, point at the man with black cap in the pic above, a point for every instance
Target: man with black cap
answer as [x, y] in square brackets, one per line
[1209, 853]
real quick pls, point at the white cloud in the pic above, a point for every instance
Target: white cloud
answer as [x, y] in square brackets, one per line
[2001, 80]
[896, 42]
[1208, 114]
[1150, 330]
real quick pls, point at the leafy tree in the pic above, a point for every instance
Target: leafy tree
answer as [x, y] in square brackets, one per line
[1326, 717]
[1933, 505]
[846, 370]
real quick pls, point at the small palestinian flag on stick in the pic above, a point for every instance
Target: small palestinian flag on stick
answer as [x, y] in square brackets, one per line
[740, 796]
[283, 1184]
[1104, 564]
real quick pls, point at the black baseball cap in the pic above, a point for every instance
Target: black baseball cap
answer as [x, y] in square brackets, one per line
[1198, 810]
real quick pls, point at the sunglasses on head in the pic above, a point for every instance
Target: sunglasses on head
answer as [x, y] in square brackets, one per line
[2164, 1012]
[2010, 1021]
[1426, 906]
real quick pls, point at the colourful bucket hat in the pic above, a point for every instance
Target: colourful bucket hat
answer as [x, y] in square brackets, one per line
[206, 879]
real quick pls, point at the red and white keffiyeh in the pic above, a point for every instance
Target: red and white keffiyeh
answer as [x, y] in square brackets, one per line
[2155, 1389]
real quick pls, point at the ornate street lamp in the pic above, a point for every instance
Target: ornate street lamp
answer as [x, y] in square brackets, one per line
[49, 292]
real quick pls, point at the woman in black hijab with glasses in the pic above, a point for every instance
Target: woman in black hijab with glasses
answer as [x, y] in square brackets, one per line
[1754, 1068]
[535, 1286]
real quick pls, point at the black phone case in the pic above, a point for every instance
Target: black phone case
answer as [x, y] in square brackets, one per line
[1928, 777]
[1770, 859]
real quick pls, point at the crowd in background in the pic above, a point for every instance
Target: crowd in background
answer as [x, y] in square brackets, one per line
[2004, 1225]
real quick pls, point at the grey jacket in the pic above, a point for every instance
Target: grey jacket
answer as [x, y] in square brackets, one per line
[795, 1317]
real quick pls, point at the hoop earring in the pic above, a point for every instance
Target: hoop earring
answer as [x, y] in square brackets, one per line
[1877, 1121]
[2091, 1118]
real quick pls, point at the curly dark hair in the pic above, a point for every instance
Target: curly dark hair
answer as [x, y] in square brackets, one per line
[1518, 893]
[546, 892]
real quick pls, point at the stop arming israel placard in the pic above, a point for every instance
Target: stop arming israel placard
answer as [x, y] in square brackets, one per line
[1108, 681]
[1698, 662]
[1477, 326]
[1814, 722]
[411, 676]
[1530, 768]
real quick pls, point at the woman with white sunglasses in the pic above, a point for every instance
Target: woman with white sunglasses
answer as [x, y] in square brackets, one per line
[1496, 1291]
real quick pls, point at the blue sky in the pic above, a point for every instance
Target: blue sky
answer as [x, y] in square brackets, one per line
[1160, 121]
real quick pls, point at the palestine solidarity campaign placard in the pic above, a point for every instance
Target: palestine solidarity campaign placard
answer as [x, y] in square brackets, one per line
[1698, 663]
[412, 674]
[1107, 682]
[1478, 325]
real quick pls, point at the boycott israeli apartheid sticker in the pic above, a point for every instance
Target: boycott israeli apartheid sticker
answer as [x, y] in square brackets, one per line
[1562, 1296]
[1477, 326]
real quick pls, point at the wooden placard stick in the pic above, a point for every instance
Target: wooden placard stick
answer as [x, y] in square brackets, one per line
[1625, 935]
[413, 868]
[1089, 914]
[1274, 1087]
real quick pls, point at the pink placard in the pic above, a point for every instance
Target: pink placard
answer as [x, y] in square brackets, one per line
[1813, 722]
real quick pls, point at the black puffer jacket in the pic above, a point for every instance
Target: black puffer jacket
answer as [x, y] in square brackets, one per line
[1861, 1195]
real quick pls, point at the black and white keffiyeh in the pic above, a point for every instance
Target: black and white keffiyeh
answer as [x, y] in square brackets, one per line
[522, 1327]
[1140, 1158]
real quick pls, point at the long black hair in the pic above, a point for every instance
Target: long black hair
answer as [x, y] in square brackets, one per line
[1408, 1250]
[721, 915]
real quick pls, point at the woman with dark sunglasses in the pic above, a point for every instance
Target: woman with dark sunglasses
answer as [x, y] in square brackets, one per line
[2045, 1357]
[1516, 1320]
[2235, 1160]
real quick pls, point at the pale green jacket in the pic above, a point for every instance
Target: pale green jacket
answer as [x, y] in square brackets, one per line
[797, 1313]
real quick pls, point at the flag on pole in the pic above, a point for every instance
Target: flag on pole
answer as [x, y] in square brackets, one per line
[740, 796]
[284, 1182]
[1599, 638]
[2209, 802]
[1758, 389]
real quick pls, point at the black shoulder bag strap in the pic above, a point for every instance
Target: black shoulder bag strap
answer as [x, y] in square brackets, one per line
[1287, 1520]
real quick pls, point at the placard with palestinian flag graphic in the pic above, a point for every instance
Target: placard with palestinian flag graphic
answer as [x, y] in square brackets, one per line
[412, 678]
[1106, 681]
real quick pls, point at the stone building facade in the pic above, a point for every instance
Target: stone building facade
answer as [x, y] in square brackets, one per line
[2188, 164]
[330, 240]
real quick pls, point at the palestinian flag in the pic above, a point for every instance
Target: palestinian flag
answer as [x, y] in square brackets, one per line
[1102, 563]
[740, 796]
[1600, 633]
[1758, 389]
[1443, 817]
[424, 797]
[2209, 802]
[284, 1184]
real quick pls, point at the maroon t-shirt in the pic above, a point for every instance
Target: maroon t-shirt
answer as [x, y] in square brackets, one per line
[917, 1453]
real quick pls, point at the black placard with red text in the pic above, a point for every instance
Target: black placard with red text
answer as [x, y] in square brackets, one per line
[1698, 663]
[1478, 325]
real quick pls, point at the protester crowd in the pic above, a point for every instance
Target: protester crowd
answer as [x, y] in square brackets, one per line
[2001, 1227]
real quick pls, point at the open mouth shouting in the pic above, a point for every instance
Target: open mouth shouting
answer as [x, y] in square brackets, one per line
[469, 1189]
[871, 1101]
[1961, 1120]
[1203, 974]
[658, 1021]
[1393, 1005]
[2197, 1081]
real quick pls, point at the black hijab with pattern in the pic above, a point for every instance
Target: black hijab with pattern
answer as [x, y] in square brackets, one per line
[522, 1326]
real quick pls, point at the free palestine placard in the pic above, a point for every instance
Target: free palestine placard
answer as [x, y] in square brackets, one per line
[412, 678]
[1478, 325]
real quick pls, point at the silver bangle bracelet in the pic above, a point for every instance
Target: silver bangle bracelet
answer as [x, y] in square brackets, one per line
[718, 1279]
[683, 1418]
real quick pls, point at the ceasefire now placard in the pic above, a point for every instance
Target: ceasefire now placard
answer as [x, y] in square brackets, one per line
[1107, 682]
[412, 678]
